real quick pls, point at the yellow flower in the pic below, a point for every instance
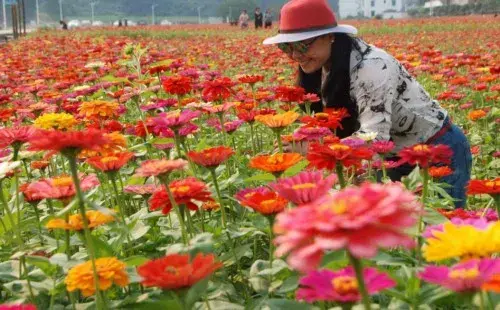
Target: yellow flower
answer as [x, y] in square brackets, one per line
[99, 108]
[109, 270]
[462, 241]
[58, 121]
[117, 143]
[75, 222]
[278, 120]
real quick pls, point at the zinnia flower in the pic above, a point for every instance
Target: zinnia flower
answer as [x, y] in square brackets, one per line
[327, 120]
[17, 307]
[218, 89]
[144, 190]
[177, 85]
[440, 172]
[341, 286]
[174, 119]
[304, 187]
[57, 121]
[326, 156]
[311, 133]
[185, 191]
[361, 220]
[251, 79]
[99, 109]
[61, 187]
[425, 154]
[75, 222]
[211, 157]
[290, 94]
[7, 167]
[110, 163]
[159, 167]
[16, 136]
[262, 200]
[61, 141]
[466, 276]
[382, 146]
[109, 270]
[275, 163]
[177, 271]
[477, 187]
[279, 120]
[476, 114]
[462, 241]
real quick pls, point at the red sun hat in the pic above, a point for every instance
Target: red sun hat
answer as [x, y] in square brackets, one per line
[305, 19]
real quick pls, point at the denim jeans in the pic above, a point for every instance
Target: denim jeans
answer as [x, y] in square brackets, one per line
[461, 163]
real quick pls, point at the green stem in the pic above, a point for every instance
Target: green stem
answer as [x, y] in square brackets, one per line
[28, 281]
[384, 171]
[11, 218]
[222, 128]
[219, 196]
[39, 222]
[112, 176]
[177, 144]
[481, 301]
[308, 108]
[71, 156]
[270, 218]
[278, 138]
[496, 197]
[178, 211]
[340, 174]
[420, 218]
[253, 139]
[67, 238]
[358, 269]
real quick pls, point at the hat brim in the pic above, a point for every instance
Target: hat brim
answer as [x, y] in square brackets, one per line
[299, 36]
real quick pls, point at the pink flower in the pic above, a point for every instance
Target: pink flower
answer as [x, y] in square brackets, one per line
[311, 98]
[311, 133]
[146, 189]
[18, 135]
[304, 187]
[17, 307]
[382, 147]
[229, 127]
[359, 219]
[175, 119]
[219, 108]
[341, 285]
[163, 146]
[462, 277]
[479, 223]
[159, 167]
[61, 187]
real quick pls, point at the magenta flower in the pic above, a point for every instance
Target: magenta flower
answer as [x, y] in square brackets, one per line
[462, 277]
[229, 127]
[341, 285]
[17, 307]
[143, 190]
[359, 219]
[382, 147]
[219, 108]
[479, 223]
[304, 187]
[311, 133]
[175, 119]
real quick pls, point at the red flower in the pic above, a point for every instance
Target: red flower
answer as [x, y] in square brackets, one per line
[328, 120]
[218, 89]
[112, 162]
[251, 79]
[326, 156]
[15, 135]
[211, 157]
[290, 94]
[425, 154]
[311, 98]
[262, 200]
[54, 140]
[177, 85]
[248, 117]
[184, 191]
[176, 271]
[477, 187]
[440, 172]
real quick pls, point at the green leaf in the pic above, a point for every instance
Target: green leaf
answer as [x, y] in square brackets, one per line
[43, 263]
[195, 292]
[135, 260]
[298, 167]
[263, 177]
[102, 248]
[139, 230]
[280, 304]
[218, 304]
[110, 78]
[433, 217]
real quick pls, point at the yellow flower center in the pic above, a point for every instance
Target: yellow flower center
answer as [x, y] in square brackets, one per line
[275, 159]
[182, 189]
[339, 147]
[492, 184]
[268, 204]
[321, 116]
[421, 148]
[304, 186]
[345, 285]
[171, 270]
[62, 181]
[464, 274]
[337, 207]
[108, 159]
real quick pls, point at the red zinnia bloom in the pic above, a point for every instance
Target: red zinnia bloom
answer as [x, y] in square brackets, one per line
[54, 140]
[491, 187]
[326, 156]
[110, 163]
[211, 157]
[311, 98]
[290, 94]
[176, 271]
[15, 135]
[330, 121]
[184, 191]
[425, 154]
[247, 116]
[177, 85]
[159, 167]
[251, 79]
[262, 200]
[440, 172]
[218, 89]
[382, 147]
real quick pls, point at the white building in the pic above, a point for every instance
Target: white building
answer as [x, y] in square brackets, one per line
[378, 7]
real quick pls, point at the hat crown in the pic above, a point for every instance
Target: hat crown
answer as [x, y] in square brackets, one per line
[306, 15]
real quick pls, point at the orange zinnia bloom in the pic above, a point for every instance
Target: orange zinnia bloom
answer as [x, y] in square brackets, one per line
[275, 163]
[39, 164]
[491, 187]
[211, 157]
[476, 114]
[177, 271]
[109, 270]
[439, 172]
[262, 200]
[278, 120]
[75, 222]
[99, 108]
[326, 156]
[110, 163]
[493, 285]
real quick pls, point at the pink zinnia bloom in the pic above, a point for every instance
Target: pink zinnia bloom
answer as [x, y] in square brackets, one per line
[219, 108]
[341, 285]
[61, 187]
[164, 146]
[311, 133]
[159, 167]
[229, 127]
[15, 135]
[382, 147]
[304, 187]
[147, 189]
[479, 223]
[462, 277]
[311, 98]
[17, 307]
[175, 119]
[359, 219]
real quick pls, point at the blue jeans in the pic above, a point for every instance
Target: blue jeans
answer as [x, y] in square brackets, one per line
[461, 163]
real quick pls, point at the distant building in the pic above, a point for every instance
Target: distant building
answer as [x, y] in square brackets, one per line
[372, 8]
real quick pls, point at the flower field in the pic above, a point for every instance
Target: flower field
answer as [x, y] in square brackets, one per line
[150, 168]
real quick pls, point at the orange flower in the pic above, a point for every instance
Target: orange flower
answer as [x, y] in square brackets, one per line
[110, 163]
[476, 114]
[278, 120]
[116, 143]
[54, 140]
[491, 187]
[326, 156]
[109, 270]
[177, 85]
[211, 157]
[210, 206]
[251, 79]
[99, 108]
[493, 285]
[262, 200]
[176, 271]
[39, 164]
[439, 172]
[75, 222]
[275, 163]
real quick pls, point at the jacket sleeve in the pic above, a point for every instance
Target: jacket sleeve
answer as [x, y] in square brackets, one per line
[374, 88]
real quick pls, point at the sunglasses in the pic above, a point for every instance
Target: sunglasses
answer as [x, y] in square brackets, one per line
[301, 47]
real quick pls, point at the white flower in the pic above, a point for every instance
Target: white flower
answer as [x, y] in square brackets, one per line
[367, 136]
[8, 166]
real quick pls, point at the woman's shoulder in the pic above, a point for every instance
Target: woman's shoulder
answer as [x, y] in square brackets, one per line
[369, 58]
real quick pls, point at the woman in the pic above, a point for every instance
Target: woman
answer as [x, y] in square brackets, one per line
[380, 95]
[268, 19]
[258, 18]
[243, 20]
